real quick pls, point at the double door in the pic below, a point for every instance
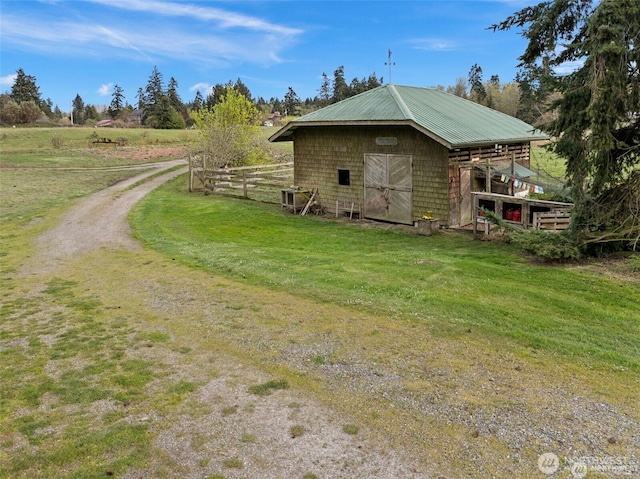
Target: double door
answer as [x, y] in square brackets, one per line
[388, 187]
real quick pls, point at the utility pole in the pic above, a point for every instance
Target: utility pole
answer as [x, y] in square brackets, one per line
[390, 63]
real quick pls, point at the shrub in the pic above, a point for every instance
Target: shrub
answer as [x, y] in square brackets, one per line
[57, 142]
[546, 245]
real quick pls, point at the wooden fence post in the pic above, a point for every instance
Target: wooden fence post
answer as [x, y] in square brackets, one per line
[244, 184]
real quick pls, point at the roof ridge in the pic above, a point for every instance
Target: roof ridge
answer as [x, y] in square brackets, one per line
[400, 102]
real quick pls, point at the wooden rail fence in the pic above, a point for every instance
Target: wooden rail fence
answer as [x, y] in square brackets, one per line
[552, 221]
[261, 182]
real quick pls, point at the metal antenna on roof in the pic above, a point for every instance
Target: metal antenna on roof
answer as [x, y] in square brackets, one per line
[390, 63]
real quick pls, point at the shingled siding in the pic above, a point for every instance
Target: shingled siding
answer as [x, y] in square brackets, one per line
[320, 151]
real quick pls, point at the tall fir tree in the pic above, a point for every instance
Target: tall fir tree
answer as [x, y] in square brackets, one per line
[596, 125]
[117, 102]
[25, 88]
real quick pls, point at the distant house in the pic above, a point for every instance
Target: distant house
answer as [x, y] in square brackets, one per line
[401, 152]
[104, 123]
[136, 116]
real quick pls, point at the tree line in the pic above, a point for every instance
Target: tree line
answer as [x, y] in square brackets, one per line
[159, 106]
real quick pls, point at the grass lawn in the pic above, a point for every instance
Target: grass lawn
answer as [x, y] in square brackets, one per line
[447, 283]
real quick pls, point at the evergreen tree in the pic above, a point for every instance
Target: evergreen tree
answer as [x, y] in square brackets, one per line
[57, 113]
[243, 90]
[198, 101]
[91, 113]
[78, 111]
[291, 102]
[117, 102]
[174, 96]
[217, 94]
[340, 87]
[47, 107]
[142, 99]
[25, 89]
[325, 90]
[477, 91]
[165, 116]
[596, 126]
[153, 94]
[373, 81]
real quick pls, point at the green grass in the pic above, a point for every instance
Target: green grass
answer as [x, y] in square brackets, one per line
[83, 346]
[38, 143]
[50, 188]
[548, 162]
[267, 388]
[447, 283]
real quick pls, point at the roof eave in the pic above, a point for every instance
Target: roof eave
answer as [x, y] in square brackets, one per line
[286, 133]
[499, 141]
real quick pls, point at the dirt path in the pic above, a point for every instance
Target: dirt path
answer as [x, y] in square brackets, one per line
[193, 445]
[100, 219]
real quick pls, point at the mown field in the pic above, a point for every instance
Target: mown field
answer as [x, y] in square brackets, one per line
[465, 354]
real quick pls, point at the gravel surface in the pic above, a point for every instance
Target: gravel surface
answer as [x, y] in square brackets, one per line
[492, 415]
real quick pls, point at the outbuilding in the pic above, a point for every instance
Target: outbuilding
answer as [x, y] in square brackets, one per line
[399, 153]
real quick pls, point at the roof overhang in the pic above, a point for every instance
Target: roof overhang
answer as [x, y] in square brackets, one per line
[286, 133]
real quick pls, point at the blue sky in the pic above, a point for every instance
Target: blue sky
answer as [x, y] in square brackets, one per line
[86, 47]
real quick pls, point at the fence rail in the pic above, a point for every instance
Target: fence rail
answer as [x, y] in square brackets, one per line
[260, 182]
[552, 221]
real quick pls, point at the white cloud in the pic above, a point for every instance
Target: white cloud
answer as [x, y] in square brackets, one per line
[142, 41]
[434, 44]
[224, 18]
[8, 79]
[203, 87]
[105, 89]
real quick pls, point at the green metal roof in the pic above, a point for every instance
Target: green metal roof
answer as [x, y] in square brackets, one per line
[448, 119]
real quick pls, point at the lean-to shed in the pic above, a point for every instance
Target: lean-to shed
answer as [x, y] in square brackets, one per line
[401, 152]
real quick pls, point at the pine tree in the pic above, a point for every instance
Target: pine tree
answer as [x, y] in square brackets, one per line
[78, 110]
[174, 96]
[117, 102]
[291, 102]
[198, 101]
[596, 125]
[477, 91]
[153, 94]
[325, 90]
[340, 87]
[25, 89]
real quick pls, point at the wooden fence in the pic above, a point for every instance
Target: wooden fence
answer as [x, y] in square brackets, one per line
[552, 221]
[261, 182]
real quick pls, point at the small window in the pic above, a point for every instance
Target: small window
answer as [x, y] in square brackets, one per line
[344, 177]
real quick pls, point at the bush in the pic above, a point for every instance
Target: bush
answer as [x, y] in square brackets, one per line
[546, 245]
